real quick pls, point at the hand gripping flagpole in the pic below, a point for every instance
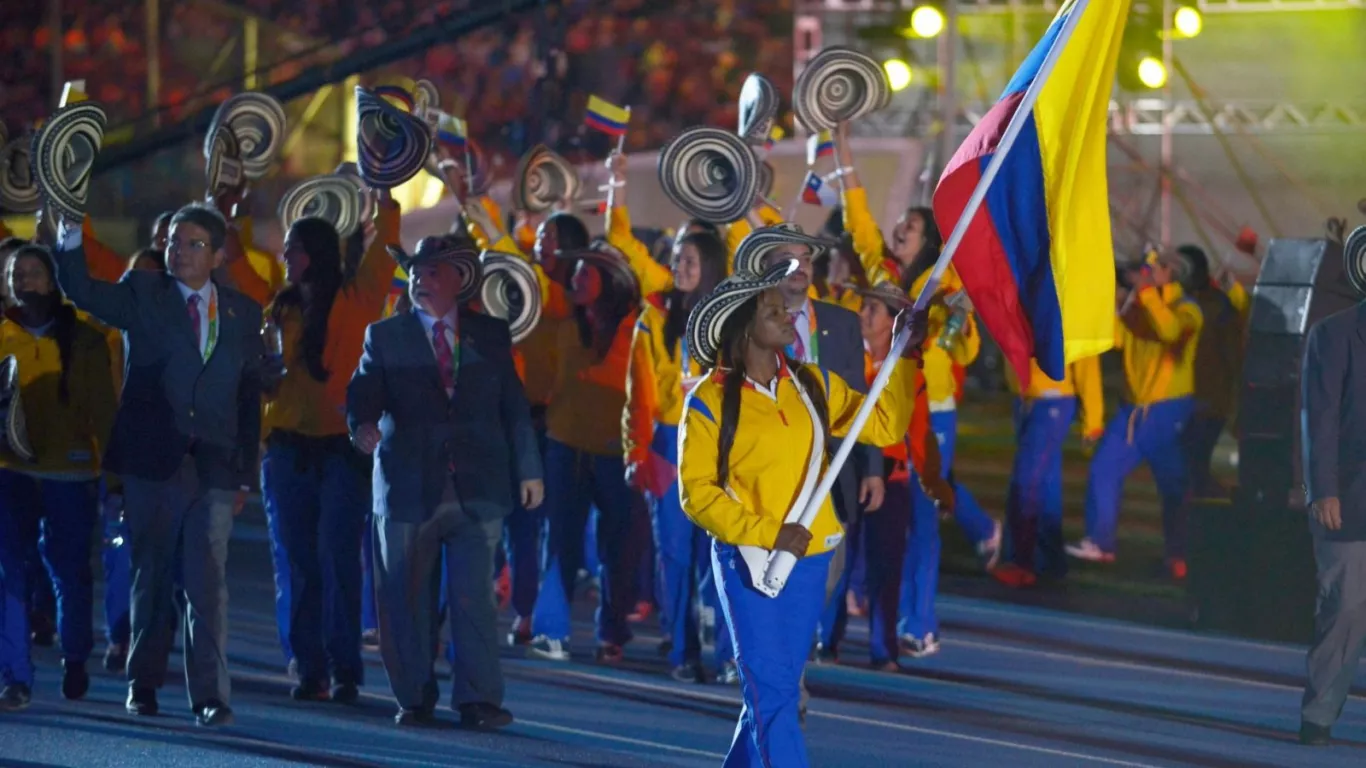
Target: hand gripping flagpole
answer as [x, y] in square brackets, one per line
[780, 564]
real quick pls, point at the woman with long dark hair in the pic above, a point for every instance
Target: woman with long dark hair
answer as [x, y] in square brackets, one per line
[752, 450]
[584, 452]
[66, 392]
[661, 373]
[314, 481]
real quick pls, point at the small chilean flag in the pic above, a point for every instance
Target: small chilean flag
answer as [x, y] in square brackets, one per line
[607, 117]
[819, 145]
[815, 192]
[774, 136]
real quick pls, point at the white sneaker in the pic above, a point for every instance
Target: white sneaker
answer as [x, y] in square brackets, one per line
[545, 648]
[1087, 550]
[920, 647]
[989, 551]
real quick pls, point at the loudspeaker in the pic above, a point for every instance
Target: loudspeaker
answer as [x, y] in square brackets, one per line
[1301, 282]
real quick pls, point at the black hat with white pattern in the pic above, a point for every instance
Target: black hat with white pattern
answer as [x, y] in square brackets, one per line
[709, 173]
[839, 85]
[511, 292]
[332, 197]
[750, 254]
[437, 248]
[708, 318]
[63, 157]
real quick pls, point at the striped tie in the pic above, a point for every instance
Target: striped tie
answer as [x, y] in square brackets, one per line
[445, 357]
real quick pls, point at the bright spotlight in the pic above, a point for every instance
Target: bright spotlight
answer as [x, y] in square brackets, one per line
[898, 73]
[927, 21]
[1187, 22]
[1152, 72]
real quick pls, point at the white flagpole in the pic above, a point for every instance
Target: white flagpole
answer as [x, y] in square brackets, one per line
[780, 564]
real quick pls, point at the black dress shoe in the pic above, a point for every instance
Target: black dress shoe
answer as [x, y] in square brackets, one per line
[214, 713]
[142, 701]
[413, 718]
[1314, 735]
[345, 692]
[484, 716]
[75, 680]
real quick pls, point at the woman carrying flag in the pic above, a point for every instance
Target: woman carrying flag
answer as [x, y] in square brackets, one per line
[742, 468]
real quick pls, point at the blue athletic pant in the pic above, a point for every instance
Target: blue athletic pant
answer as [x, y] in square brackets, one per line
[574, 482]
[1034, 504]
[772, 637]
[686, 580]
[1155, 434]
[67, 513]
[920, 570]
[319, 505]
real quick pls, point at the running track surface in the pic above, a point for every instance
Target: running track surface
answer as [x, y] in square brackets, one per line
[1012, 686]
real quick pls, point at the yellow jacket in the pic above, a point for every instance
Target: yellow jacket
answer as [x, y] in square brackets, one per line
[1158, 336]
[940, 380]
[655, 384]
[67, 438]
[653, 276]
[315, 408]
[867, 237]
[769, 458]
[1080, 380]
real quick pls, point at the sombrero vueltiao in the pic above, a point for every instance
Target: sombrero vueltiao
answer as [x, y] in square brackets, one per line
[223, 164]
[708, 318]
[758, 109]
[18, 187]
[511, 292]
[257, 121]
[64, 152]
[543, 179]
[15, 428]
[710, 173]
[750, 254]
[839, 85]
[611, 262]
[393, 144]
[333, 198]
[1354, 259]
[890, 294]
[435, 248]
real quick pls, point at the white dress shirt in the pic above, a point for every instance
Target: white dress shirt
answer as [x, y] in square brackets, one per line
[206, 295]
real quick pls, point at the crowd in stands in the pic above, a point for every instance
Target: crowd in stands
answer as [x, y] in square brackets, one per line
[519, 83]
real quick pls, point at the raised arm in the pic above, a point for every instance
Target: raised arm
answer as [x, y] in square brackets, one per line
[375, 276]
[704, 500]
[1170, 324]
[113, 304]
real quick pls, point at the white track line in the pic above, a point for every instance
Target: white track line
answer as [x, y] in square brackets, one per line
[948, 606]
[863, 721]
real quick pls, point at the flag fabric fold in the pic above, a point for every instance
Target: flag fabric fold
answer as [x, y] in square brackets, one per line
[816, 192]
[819, 145]
[1037, 258]
[607, 117]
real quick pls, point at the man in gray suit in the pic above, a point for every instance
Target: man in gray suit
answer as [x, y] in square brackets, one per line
[437, 396]
[185, 442]
[1333, 420]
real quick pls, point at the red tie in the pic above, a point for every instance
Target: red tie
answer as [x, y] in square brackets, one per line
[192, 307]
[444, 358]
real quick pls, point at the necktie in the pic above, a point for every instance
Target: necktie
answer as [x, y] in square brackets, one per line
[192, 308]
[798, 348]
[445, 357]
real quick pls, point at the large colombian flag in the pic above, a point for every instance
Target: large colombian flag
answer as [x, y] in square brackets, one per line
[1037, 259]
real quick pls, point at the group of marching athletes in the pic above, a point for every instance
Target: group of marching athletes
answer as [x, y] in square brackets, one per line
[687, 390]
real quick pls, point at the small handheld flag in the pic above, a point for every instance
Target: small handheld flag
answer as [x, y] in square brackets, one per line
[816, 192]
[73, 93]
[451, 131]
[819, 145]
[607, 117]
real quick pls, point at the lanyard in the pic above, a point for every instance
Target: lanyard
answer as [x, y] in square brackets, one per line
[685, 357]
[213, 325]
[813, 344]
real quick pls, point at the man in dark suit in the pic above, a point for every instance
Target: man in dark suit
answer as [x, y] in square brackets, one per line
[437, 396]
[185, 442]
[1333, 417]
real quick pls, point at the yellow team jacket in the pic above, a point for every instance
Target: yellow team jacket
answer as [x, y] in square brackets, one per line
[1157, 336]
[1081, 380]
[655, 384]
[315, 408]
[767, 466]
[67, 438]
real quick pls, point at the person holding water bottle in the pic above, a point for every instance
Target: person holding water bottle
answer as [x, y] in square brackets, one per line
[753, 440]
